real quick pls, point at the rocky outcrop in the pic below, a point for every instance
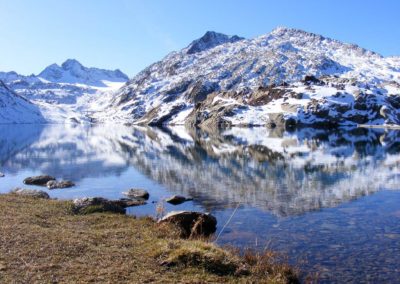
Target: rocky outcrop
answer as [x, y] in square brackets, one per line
[192, 224]
[31, 193]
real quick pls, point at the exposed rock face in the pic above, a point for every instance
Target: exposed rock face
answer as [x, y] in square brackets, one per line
[177, 199]
[137, 193]
[209, 40]
[41, 180]
[31, 193]
[192, 224]
[287, 77]
[53, 184]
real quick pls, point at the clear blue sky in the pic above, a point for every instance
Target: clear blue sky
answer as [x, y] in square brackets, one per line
[130, 34]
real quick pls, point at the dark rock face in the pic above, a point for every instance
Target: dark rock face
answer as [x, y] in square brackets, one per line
[192, 224]
[52, 184]
[38, 180]
[177, 199]
[137, 193]
[209, 40]
[31, 193]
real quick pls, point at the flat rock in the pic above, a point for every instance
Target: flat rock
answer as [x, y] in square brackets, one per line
[39, 180]
[31, 193]
[177, 199]
[137, 193]
[88, 205]
[53, 184]
[128, 202]
[192, 224]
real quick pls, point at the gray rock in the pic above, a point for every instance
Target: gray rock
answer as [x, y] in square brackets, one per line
[137, 193]
[31, 193]
[2, 175]
[52, 184]
[39, 180]
[88, 205]
[192, 224]
[177, 199]
[128, 202]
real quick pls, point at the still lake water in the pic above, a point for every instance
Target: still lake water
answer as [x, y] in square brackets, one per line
[329, 200]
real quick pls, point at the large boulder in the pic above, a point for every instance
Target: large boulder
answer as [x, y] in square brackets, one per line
[177, 199]
[53, 184]
[41, 180]
[137, 193]
[31, 193]
[192, 224]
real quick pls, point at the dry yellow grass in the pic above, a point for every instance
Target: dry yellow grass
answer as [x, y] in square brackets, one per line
[41, 241]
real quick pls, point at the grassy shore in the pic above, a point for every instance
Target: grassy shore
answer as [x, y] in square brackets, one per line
[41, 241]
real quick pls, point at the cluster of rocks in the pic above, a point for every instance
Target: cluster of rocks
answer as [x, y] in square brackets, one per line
[48, 181]
[191, 224]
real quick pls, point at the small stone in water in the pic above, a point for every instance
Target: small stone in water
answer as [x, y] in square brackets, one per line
[177, 199]
[2, 175]
[137, 193]
[52, 184]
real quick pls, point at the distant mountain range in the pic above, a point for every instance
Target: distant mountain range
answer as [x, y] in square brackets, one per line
[60, 94]
[288, 78]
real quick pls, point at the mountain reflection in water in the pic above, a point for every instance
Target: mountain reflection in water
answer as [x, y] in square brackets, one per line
[284, 173]
[293, 189]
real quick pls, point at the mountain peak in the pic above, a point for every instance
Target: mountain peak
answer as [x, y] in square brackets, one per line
[72, 71]
[71, 63]
[209, 40]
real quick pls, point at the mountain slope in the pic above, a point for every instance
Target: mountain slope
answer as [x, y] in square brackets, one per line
[16, 109]
[285, 77]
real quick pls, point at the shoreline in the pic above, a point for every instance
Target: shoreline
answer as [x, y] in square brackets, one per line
[43, 241]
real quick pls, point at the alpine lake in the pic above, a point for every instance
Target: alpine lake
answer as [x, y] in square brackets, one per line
[329, 200]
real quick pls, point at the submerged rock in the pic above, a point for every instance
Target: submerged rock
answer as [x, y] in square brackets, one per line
[137, 193]
[192, 224]
[31, 193]
[53, 184]
[39, 180]
[177, 199]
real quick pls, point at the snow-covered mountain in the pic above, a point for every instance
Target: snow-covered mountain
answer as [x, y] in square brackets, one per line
[287, 77]
[66, 93]
[16, 109]
[73, 72]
